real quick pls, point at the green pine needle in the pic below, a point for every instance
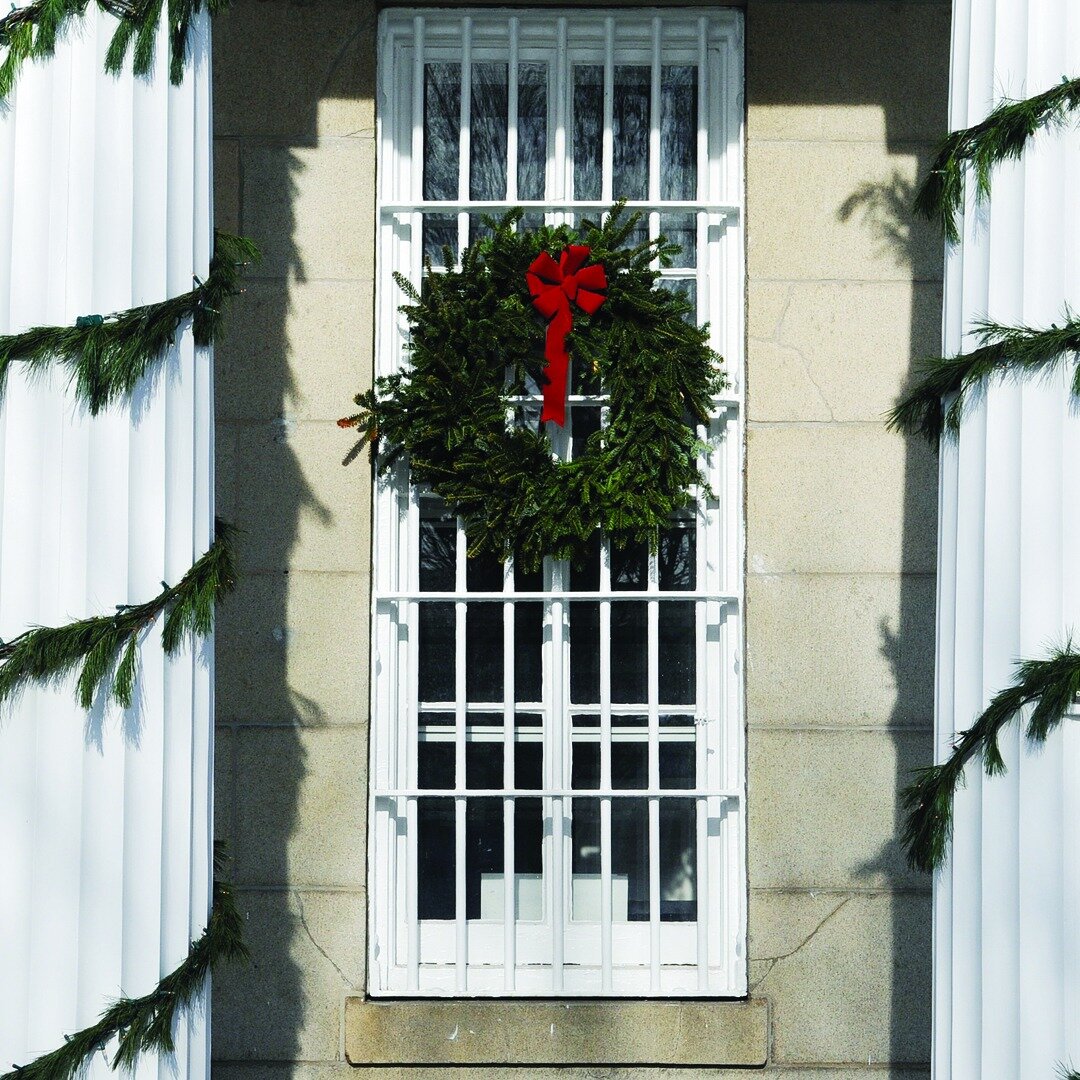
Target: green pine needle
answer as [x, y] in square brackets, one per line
[476, 341]
[1015, 351]
[32, 32]
[108, 356]
[1051, 685]
[107, 645]
[145, 1025]
[1002, 136]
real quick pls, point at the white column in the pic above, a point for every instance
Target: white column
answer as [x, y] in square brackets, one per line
[1006, 934]
[105, 820]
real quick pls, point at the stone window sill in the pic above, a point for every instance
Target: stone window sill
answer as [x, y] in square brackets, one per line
[504, 1032]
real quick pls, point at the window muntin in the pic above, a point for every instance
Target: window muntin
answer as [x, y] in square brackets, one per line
[565, 746]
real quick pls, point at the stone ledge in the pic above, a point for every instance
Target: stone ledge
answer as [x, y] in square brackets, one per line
[478, 1032]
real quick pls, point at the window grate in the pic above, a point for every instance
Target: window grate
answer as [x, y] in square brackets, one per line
[557, 761]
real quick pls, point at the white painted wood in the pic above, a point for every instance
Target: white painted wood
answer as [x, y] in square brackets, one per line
[105, 822]
[1005, 930]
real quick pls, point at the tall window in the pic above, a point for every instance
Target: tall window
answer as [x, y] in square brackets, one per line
[557, 764]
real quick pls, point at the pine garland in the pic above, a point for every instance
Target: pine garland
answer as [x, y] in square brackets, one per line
[108, 355]
[1002, 136]
[476, 340]
[1051, 685]
[1016, 351]
[107, 645]
[31, 33]
[145, 1025]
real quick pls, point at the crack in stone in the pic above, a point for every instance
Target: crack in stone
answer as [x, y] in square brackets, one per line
[772, 961]
[311, 937]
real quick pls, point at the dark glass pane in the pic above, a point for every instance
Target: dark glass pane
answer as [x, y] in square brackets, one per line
[528, 656]
[630, 765]
[484, 765]
[678, 767]
[677, 666]
[484, 652]
[479, 227]
[687, 289]
[529, 766]
[588, 130]
[435, 645]
[440, 232]
[678, 556]
[585, 858]
[438, 548]
[585, 422]
[681, 229]
[532, 132]
[436, 719]
[585, 765]
[630, 133]
[630, 858]
[528, 580]
[585, 572]
[435, 765]
[630, 566]
[678, 132]
[442, 122]
[528, 836]
[678, 860]
[435, 858]
[488, 118]
[483, 850]
[629, 652]
[585, 652]
[483, 573]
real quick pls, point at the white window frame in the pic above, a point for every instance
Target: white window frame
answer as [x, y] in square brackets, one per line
[557, 957]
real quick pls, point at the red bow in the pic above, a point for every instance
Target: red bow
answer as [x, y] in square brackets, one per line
[553, 285]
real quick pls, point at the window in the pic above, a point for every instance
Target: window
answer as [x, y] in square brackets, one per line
[557, 763]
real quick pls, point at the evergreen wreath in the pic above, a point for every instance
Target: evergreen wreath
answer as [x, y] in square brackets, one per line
[477, 347]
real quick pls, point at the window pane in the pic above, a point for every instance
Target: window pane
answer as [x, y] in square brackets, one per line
[630, 566]
[435, 858]
[484, 652]
[677, 654]
[438, 547]
[484, 764]
[681, 229]
[442, 119]
[585, 653]
[678, 860]
[588, 130]
[529, 766]
[483, 858]
[585, 765]
[585, 573]
[435, 647]
[678, 556]
[629, 652]
[585, 860]
[678, 765]
[528, 651]
[584, 423]
[630, 132]
[532, 130]
[483, 573]
[687, 289]
[629, 860]
[630, 765]
[678, 132]
[440, 234]
[487, 175]
[435, 766]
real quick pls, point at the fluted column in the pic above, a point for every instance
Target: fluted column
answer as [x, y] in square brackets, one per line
[1006, 932]
[105, 844]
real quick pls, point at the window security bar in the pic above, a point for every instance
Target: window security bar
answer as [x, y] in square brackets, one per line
[435, 206]
[666, 793]
[640, 595]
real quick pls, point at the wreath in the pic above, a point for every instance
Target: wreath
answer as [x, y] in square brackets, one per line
[479, 346]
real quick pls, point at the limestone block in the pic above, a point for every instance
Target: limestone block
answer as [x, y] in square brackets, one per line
[301, 797]
[277, 63]
[300, 508]
[839, 498]
[847, 70]
[303, 350]
[839, 649]
[307, 952]
[224, 772]
[227, 185]
[823, 811]
[836, 350]
[298, 650]
[311, 210]
[855, 986]
[827, 211]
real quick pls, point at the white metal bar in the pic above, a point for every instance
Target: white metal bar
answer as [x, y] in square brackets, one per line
[704, 296]
[701, 890]
[716, 209]
[461, 927]
[522, 597]
[465, 134]
[562, 793]
[607, 151]
[561, 166]
[556, 769]
[512, 78]
[410, 573]
[655, 958]
[605, 771]
[509, 744]
[654, 130]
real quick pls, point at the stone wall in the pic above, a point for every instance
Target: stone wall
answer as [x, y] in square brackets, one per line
[845, 100]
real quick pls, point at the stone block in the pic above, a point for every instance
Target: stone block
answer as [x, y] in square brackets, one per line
[552, 1033]
[829, 211]
[297, 650]
[847, 976]
[343, 1071]
[225, 468]
[224, 790]
[847, 71]
[278, 63]
[300, 508]
[836, 350]
[822, 807]
[839, 649]
[227, 185]
[284, 1004]
[839, 499]
[301, 799]
[302, 350]
[311, 210]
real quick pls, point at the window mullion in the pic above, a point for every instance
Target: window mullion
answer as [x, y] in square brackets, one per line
[509, 746]
[461, 926]
[654, 773]
[410, 550]
[465, 134]
[561, 165]
[606, 913]
[512, 113]
[607, 159]
[654, 129]
[556, 753]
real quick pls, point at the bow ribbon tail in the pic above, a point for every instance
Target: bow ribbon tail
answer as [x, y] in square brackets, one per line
[557, 367]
